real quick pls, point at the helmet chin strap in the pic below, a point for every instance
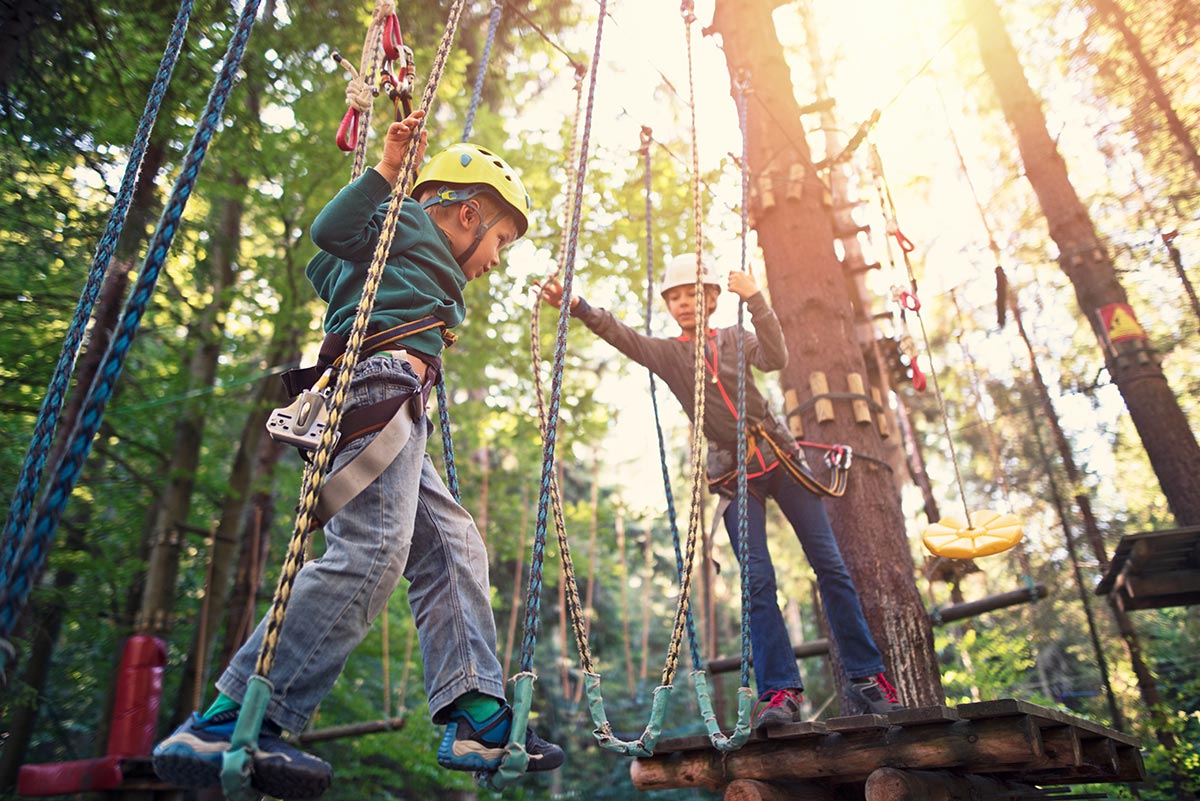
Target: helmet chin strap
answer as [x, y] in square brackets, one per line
[480, 232]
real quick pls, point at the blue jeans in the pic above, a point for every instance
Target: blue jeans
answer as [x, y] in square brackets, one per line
[774, 663]
[404, 523]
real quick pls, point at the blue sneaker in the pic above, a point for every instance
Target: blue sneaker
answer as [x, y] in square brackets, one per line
[193, 755]
[468, 745]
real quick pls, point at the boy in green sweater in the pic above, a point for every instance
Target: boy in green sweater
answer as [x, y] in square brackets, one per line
[467, 205]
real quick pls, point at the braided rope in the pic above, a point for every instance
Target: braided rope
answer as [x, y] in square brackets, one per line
[361, 91]
[443, 397]
[672, 519]
[315, 473]
[15, 539]
[570, 584]
[533, 600]
[701, 331]
[477, 91]
[743, 545]
[69, 468]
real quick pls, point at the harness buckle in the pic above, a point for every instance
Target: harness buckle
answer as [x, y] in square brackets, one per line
[304, 420]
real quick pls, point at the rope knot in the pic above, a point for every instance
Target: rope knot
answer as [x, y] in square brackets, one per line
[359, 96]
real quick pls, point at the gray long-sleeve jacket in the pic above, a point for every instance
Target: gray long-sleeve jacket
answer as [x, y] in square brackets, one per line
[671, 360]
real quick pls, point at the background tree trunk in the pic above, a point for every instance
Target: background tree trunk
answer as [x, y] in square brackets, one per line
[819, 326]
[1134, 366]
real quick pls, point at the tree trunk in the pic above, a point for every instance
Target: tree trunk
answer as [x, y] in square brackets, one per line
[1132, 362]
[817, 315]
[170, 512]
[1114, 15]
[243, 476]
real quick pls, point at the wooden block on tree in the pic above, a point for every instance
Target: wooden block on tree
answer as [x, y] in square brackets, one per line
[923, 714]
[890, 784]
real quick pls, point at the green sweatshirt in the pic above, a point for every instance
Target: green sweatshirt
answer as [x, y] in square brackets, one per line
[420, 278]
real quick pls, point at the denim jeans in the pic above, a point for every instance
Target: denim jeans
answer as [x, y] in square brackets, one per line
[405, 522]
[774, 663]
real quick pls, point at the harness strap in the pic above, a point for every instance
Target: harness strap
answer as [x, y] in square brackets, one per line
[333, 351]
[756, 432]
[370, 463]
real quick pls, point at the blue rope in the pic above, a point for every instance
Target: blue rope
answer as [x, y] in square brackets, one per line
[447, 440]
[743, 545]
[93, 411]
[442, 396]
[47, 422]
[662, 447]
[493, 24]
[533, 599]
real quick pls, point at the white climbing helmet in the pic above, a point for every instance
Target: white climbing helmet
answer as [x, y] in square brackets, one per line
[681, 271]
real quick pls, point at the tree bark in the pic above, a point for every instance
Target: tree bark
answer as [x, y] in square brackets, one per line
[170, 512]
[1114, 15]
[1133, 364]
[817, 315]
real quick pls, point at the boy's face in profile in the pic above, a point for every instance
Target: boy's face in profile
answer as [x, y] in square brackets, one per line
[501, 234]
[681, 304]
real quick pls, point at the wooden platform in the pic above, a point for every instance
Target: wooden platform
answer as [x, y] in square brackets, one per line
[1155, 569]
[1007, 747]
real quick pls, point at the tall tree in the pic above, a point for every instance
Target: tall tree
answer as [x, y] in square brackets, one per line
[1132, 362]
[816, 311]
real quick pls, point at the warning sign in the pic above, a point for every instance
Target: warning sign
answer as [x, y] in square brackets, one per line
[1120, 323]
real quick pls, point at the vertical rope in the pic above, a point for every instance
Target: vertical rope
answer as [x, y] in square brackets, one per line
[368, 72]
[693, 644]
[477, 92]
[697, 372]
[15, 536]
[110, 370]
[533, 600]
[443, 396]
[742, 523]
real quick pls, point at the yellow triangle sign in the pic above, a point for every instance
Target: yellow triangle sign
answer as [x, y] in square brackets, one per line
[1122, 325]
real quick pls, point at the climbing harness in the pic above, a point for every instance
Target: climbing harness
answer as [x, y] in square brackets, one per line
[23, 554]
[238, 760]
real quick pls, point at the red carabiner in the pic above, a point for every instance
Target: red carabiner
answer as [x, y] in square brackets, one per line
[918, 378]
[392, 38]
[347, 132]
[903, 241]
[909, 300]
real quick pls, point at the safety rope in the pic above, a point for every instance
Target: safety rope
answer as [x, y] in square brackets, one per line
[909, 301]
[740, 89]
[17, 541]
[238, 759]
[443, 397]
[361, 91]
[578, 624]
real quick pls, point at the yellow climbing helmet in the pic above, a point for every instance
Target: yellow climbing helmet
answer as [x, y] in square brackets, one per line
[463, 170]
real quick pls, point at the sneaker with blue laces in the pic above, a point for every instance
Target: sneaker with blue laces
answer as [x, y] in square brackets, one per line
[479, 746]
[193, 755]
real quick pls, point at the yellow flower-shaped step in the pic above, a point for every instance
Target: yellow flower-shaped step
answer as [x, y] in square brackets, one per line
[990, 532]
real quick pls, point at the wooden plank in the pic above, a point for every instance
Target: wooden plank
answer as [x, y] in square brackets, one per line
[970, 746]
[1154, 590]
[1005, 707]
[853, 723]
[923, 714]
[794, 731]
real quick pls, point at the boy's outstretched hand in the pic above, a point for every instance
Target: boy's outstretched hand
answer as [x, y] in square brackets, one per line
[742, 284]
[396, 144]
[552, 292]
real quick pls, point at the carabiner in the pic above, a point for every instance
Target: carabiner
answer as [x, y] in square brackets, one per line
[903, 241]
[908, 300]
[393, 41]
[918, 378]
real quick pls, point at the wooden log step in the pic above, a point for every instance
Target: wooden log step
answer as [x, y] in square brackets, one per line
[751, 790]
[891, 784]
